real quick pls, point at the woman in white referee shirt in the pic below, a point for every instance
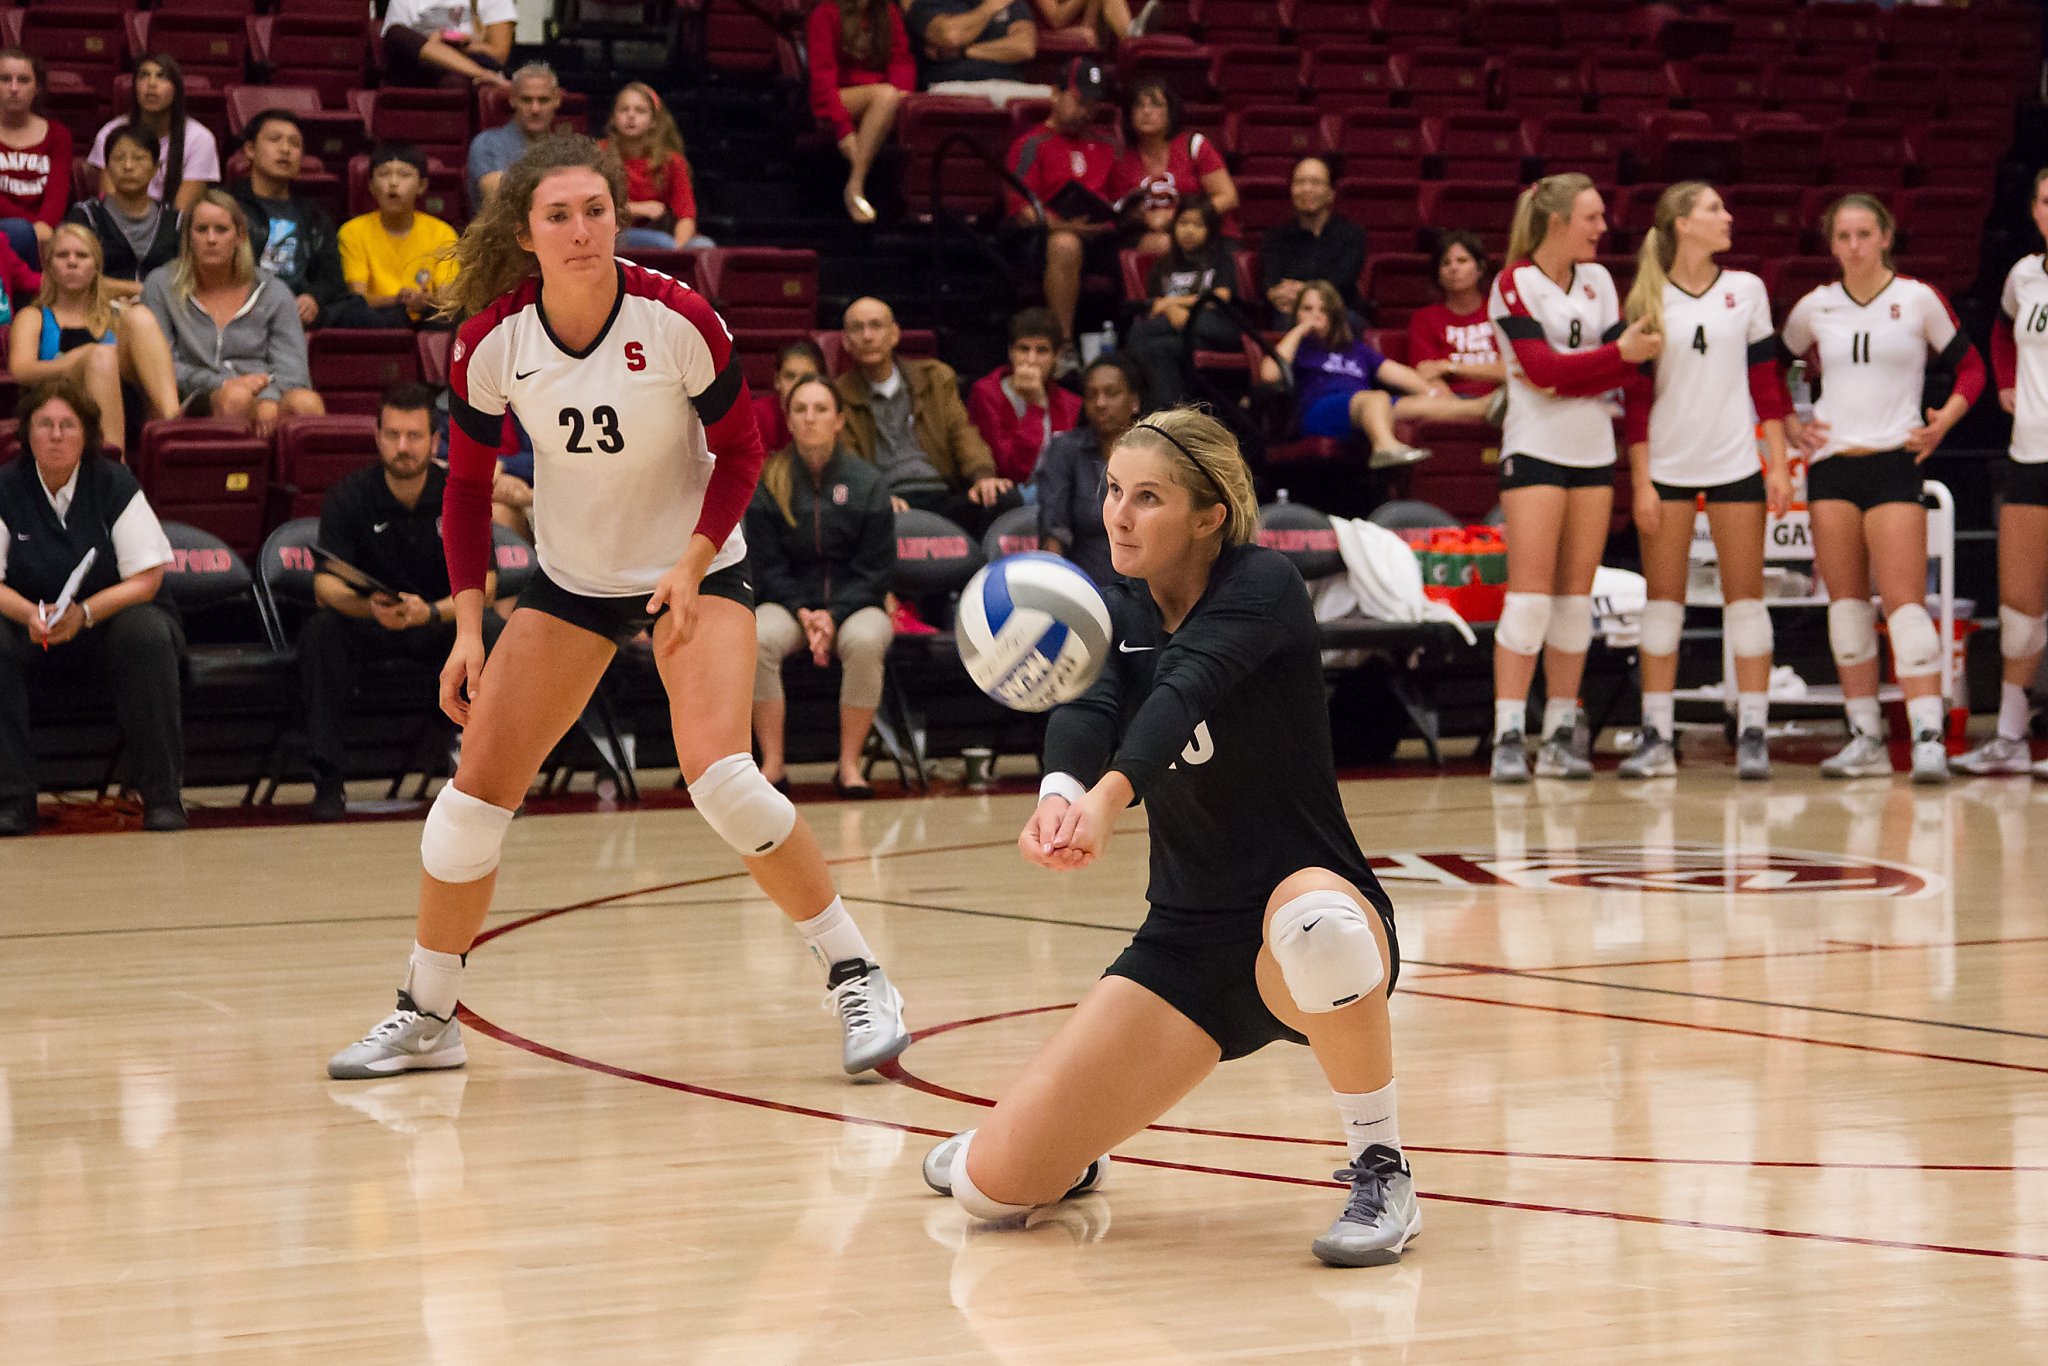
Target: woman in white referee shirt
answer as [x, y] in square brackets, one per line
[1694, 433]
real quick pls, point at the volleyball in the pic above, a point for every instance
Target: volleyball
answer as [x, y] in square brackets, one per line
[1033, 631]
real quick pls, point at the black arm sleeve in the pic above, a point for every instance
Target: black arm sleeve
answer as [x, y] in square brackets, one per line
[1081, 735]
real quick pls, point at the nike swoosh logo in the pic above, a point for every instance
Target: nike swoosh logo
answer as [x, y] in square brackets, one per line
[377, 527]
[527, 374]
[1311, 924]
[1134, 649]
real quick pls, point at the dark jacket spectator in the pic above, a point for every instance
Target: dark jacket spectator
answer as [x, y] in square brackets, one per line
[1069, 478]
[1199, 262]
[293, 238]
[1317, 245]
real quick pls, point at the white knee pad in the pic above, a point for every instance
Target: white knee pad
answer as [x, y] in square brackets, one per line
[741, 805]
[1852, 631]
[1663, 624]
[1748, 625]
[970, 1198]
[2019, 635]
[1326, 951]
[1916, 645]
[462, 837]
[1571, 624]
[1524, 617]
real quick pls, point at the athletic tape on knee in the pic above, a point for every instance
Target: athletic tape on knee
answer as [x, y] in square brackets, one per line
[970, 1198]
[1663, 624]
[1852, 631]
[741, 805]
[1571, 624]
[1524, 617]
[1748, 624]
[1916, 645]
[2019, 635]
[1326, 951]
[462, 837]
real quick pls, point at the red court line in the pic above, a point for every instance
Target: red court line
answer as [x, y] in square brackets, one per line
[1847, 947]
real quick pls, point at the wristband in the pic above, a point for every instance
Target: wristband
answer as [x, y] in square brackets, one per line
[86, 608]
[1061, 785]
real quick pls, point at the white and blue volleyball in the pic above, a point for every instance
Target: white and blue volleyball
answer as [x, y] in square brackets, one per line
[1033, 631]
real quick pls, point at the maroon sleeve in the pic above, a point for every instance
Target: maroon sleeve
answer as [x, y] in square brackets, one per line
[1767, 384]
[682, 195]
[823, 43]
[724, 406]
[1638, 396]
[1568, 374]
[2005, 354]
[476, 438]
[1426, 340]
[57, 192]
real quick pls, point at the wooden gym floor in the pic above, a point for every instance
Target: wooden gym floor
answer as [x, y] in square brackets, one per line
[1689, 1074]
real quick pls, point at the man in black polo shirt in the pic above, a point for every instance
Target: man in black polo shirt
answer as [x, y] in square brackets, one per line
[386, 522]
[1317, 245]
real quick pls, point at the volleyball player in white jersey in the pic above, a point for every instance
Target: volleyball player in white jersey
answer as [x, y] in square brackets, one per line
[1560, 330]
[2019, 357]
[1873, 331]
[645, 457]
[1696, 434]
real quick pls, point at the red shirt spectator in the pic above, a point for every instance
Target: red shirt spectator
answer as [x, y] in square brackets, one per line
[831, 72]
[768, 417]
[35, 181]
[1047, 160]
[1189, 157]
[670, 187]
[1436, 333]
[17, 281]
[1016, 431]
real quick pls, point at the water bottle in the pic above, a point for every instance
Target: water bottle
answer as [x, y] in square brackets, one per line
[1106, 342]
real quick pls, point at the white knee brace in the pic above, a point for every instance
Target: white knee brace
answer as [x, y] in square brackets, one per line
[2019, 635]
[1524, 617]
[1326, 951]
[1571, 624]
[1663, 624]
[462, 837]
[969, 1196]
[1852, 631]
[1748, 625]
[741, 805]
[1916, 645]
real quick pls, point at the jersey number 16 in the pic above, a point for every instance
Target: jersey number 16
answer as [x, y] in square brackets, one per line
[606, 422]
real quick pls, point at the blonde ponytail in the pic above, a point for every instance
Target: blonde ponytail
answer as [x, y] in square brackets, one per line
[1659, 250]
[1554, 194]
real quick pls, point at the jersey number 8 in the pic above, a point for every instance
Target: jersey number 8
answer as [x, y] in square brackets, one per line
[605, 420]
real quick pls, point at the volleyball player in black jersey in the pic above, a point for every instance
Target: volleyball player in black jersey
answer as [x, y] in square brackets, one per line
[1266, 921]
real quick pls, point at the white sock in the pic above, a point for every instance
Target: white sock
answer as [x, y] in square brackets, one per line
[1752, 711]
[1510, 716]
[434, 981]
[1658, 709]
[1558, 712]
[1865, 717]
[1924, 715]
[1369, 1117]
[834, 937]
[2014, 705]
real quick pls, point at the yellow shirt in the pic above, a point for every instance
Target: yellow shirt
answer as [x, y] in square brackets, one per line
[380, 265]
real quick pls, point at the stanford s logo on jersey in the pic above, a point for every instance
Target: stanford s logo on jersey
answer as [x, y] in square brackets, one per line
[1895, 312]
[1589, 291]
[636, 358]
[1729, 297]
[839, 495]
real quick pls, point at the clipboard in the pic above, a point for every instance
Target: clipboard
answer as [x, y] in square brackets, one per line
[364, 584]
[1077, 203]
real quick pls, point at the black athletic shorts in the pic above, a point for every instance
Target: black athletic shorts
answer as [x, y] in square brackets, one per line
[1526, 471]
[1204, 965]
[620, 619]
[1749, 490]
[2024, 482]
[1868, 481]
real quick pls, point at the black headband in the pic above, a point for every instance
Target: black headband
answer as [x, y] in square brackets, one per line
[1214, 483]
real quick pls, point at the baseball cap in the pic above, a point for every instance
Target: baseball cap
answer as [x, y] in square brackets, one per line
[1086, 78]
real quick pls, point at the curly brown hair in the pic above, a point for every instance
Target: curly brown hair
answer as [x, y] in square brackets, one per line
[488, 259]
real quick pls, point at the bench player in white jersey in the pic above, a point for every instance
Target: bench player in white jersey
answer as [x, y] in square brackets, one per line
[646, 455]
[1691, 429]
[1560, 331]
[1873, 332]
[2019, 358]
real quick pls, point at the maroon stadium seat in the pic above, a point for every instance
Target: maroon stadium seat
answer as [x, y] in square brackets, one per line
[1682, 35]
[675, 263]
[85, 41]
[1899, 90]
[1850, 33]
[352, 366]
[966, 185]
[1326, 21]
[1342, 76]
[1398, 284]
[316, 453]
[326, 51]
[434, 345]
[1268, 139]
[1763, 28]
[1817, 90]
[1264, 201]
[1440, 80]
[1241, 21]
[1791, 278]
[435, 121]
[1925, 33]
[1592, 143]
[758, 346]
[1944, 222]
[1770, 220]
[1495, 24]
[1588, 24]
[1241, 73]
[1529, 82]
[1725, 88]
[739, 38]
[1378, 144]
[1780, 149]
[1870, 152]
[1483, 207]
[333, 135]
[1960, 152]
[1683, 145]
[1056, 48]
[1389, 210]
[1182, 65]
[1132, 268]
[761, 286]
[1475, 145]
[214, 45]
[1410, 23]
[1627, 84]
[208, 472]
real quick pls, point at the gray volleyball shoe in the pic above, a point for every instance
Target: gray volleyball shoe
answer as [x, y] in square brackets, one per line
[1511, 758]
[1863, 757]
[870, 1011]
[1930, 759]
[2000, 754]
[938, 1167]
[1566, 754]
[1382, 1216]
[406, 1040]
[1753, 755]
[1653, 758]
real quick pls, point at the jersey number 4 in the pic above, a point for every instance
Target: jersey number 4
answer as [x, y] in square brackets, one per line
[604, 420]
[1699, 340]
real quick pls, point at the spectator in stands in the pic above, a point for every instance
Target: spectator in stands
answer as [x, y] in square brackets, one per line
[293, 238]
[906, 416]
[35, 158]
[78, 330]
[188, 158]
[1067, 150]
[1334, 374]
[821, 539]
[1155, 148]
[1016, 407]
[136, 233]
[385, 521]
[1199, 262]
[536, 101]
[659, 197]
[1069, 478]
[861, 69]
[470, 38]
[60, 500]
[800, 360]
[976, 47]
[396, 258]
[236, 343]
[1317, 245]
[1106, 20]
[1453, 342]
